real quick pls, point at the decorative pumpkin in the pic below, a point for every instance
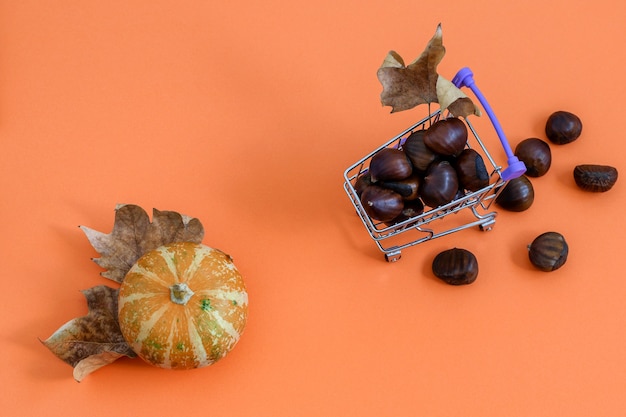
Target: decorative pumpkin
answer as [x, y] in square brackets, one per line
[182, 306]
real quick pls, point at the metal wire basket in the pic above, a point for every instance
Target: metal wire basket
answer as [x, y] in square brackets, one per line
[471, 209]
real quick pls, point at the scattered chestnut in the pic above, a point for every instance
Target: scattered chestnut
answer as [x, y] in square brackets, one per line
[440, 184]
[471, 170]
[517, 195]
[535, 154]
[412, 208]
[418, 153]
[563, 127]
[456, 266]
[548, 251]
[446, 136]
[408, 188]
[595, 178]
[390, 164]
[381, 203]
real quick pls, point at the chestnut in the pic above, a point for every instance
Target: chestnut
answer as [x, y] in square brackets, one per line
[456, 266]
[362, 181]
[440, 184]
[563, 127]
[446, 136]
[418, 153]
[536, 155]
[548, 251]
[390, 164]
[412, 208]
[517, 195]
[471, 170]
[459, 194]
[595, 178]
[381, 203]
[408, 188]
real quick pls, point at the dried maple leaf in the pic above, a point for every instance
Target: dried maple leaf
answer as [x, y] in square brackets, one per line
[90, 342]
[405, 87]
[133, 235]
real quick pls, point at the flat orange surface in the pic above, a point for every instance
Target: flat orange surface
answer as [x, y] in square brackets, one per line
[245, 115]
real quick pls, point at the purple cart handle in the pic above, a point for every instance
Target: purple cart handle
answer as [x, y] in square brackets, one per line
[465, 78]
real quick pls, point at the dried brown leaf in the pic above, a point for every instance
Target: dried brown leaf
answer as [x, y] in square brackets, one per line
[87, 343]
[93, 363]
[405, 87]
[133, 235]
[452, 98]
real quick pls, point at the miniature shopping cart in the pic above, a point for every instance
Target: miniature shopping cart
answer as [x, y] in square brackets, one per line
[472, 209]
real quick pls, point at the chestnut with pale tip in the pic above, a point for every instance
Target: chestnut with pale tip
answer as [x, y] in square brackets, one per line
[381, 203]
[389, 164]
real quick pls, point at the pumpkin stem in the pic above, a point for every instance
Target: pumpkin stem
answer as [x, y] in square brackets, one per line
[180, 293]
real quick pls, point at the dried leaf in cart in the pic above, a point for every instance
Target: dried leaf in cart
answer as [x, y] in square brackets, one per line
[405, 87]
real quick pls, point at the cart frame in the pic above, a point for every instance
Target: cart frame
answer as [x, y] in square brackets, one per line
[478, 202]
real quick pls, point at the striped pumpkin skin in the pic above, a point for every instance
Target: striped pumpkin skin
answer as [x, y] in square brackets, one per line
[190, 335]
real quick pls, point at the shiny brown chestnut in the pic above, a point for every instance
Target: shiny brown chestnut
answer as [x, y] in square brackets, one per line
[412, 208]
[418, 153]
[456, 266]
[517, 195]
[563, 127]
[471, 170]
[446, 136]
[440, 184]
[548, 251]
[408, 188]
[536, 155]
[381, 203]
[362, 181]
[389, 164]
[595, 178]
[459, 194]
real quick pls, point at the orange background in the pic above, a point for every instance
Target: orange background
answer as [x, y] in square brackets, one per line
[245, 115]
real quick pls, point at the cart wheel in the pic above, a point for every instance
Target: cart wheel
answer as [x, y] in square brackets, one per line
[393, 256]
[487, 226]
